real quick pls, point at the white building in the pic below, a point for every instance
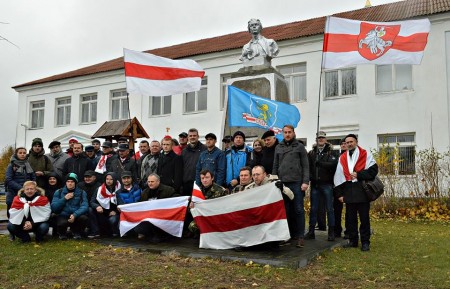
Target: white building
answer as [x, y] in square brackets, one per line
[394, 103]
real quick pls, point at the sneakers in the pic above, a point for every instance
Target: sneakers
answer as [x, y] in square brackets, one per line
[300, 243]
[12, 238]
[285, 243]
[350, 245]
[76, 236]
[365, 247]
[94, 236]
[63, 237]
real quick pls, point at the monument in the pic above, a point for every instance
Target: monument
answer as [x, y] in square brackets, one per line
[257, 76]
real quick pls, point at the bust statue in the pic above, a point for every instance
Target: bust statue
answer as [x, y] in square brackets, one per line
[259, 50]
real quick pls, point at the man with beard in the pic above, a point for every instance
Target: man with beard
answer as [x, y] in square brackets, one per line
[39, 162]
[57, 157]
[78, 163]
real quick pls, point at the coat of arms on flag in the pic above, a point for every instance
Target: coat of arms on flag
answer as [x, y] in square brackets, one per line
[375, 40]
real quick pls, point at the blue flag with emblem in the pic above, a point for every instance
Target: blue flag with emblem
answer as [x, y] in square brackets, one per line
[249, 110]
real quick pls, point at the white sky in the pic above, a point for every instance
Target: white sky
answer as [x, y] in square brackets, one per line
[57, 36]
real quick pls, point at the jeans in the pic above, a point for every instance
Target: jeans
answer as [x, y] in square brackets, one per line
[103, 224]
[77, 226]
[297, 215]
[326, 191]
[39, 230]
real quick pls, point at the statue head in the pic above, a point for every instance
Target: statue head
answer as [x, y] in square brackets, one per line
[254, 26]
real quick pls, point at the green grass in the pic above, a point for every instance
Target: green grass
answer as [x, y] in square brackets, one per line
[403, 255]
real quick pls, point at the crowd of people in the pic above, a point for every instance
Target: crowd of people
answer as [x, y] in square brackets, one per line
[78, 192]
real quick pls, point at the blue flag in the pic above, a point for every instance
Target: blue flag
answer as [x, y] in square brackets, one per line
[246, 109]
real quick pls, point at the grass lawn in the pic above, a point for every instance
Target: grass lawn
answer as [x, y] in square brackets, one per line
[403, 255]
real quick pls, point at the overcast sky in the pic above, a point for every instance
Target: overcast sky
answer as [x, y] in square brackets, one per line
[56, 36]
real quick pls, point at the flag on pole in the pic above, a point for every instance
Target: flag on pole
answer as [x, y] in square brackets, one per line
[350, 42]
[244, 219]
[166, 214]
[197, 195]
[148, 74]
[249, 110]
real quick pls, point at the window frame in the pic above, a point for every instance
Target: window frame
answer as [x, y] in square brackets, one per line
[224, 89]
[397, 168]
[89, 103]
[162, 106]
[67, 111]
[204, 86]
[289, 77]
[393, 85]
[123, 101]
[40, 114]
[340, 83]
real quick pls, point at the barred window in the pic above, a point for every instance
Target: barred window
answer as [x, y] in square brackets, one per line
[400, 153]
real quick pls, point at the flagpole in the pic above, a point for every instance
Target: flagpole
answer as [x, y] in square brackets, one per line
[321, 74]
[128, 103]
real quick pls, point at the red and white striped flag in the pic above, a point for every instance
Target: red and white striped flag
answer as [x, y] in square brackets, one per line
[166, 214]
[197, 195]
[249, 218]
[39, 208]
[350, 42]
[147, 74]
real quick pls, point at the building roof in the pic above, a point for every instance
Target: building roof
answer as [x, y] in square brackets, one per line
[130, 128]
[381, 13]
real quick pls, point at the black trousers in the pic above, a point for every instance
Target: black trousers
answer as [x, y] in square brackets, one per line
[77, 226]
[362, 210]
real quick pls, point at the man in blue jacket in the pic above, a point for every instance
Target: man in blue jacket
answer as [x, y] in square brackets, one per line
[212, 159]
[237, 156]
[70, 203]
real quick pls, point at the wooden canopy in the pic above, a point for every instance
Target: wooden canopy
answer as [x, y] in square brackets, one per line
[113, 130]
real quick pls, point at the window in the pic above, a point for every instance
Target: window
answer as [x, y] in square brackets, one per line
[160, 105]
[397, 153]
[394, 77]
[335, 142]
[224, 92]
[295, 76]
[197, 101]
[340, 82]
[63, 111]
[89, 108]
[37, 114]
[119, 105]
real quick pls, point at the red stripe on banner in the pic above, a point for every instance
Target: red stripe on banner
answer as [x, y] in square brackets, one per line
[159, 73]
[348, 43]
[175, 214]
[241, 219]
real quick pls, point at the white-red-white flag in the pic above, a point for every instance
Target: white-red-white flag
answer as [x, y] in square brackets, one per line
[197, 195]
[39, 208]
[150, 75]
[350, 42]
[166, 214]
[249, 218]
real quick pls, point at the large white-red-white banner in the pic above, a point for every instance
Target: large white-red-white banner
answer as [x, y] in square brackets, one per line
[350, 42]
[150, 75]
[243, 219]
[166, 214]
[39, 208]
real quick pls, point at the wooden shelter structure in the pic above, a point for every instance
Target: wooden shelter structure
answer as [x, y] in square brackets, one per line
[129, 128]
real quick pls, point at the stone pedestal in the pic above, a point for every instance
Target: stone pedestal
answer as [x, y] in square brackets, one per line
[262, 81]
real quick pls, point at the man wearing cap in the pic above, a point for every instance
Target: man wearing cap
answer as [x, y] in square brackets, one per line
[78, 163]
[57, 157]
[90, 154]
[129, 192]
[97, 149]
[90, 184]
[226, 143]
[148, 163]
[170, 166]
[39, 162]
[212, 159]
[322, 166]
[123, 162]
[182, 143]
[355, 166]
[72, 141]
[268, 151]
[190, 157]
[338, 206]
[104, 161]
[70, 204]
[237, 156]
[291, 165]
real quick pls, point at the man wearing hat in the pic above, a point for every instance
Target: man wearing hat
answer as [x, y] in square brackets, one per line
[78, 163]
[57, 157]
[129, 192]
[90, 154]
[89, 184]
[72, 141]
[226, 143]
[97, 149]
[123, 162]
[212, 159]
[39, 162]
[268, 151]
[182, 143]
[322, 166]
[237, 156]
[104, 161]
[70, 204]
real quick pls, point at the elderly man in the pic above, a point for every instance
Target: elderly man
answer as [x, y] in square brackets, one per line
[70, 204]
[322, 166]
[212, 159]
[259, 46]
[291, 165]
[261, 178]
[355, 166]
[268, 152]
[39, 162]
[123, 162]
[57, 157]
[245, 178]
[190, 157]
[148, 163]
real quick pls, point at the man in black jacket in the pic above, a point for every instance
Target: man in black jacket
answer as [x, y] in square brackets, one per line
[322, 166]
[190, 155]
[355, 166]
[123, 162]
[170, 166]
[268, 152]
[78, 163]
